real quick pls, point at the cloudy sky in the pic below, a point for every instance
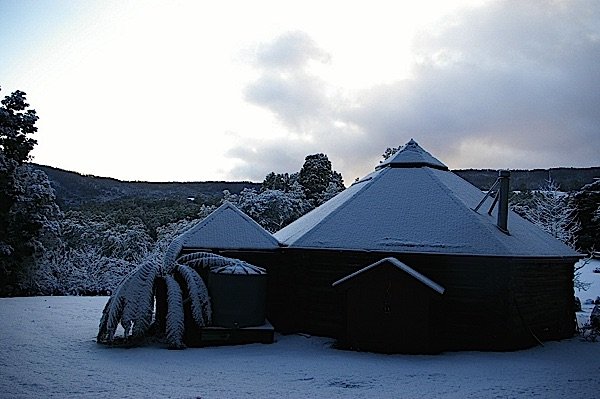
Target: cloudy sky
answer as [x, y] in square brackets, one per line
[230, 90]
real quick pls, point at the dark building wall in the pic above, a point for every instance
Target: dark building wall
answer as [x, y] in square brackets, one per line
[491, 303]
[541, 294]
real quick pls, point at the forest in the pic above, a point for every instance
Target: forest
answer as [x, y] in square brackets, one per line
[63, 233]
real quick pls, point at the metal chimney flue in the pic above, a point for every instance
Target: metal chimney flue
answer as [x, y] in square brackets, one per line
[504, 180]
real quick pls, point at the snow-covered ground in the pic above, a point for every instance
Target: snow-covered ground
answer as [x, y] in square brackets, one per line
[48, 349]
[593, 292]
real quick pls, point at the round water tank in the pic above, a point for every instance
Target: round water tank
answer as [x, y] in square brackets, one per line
[238, 295]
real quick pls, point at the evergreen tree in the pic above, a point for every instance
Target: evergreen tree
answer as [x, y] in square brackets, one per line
[276, 181]
[27, 202]
[587, 201]
[316, 176]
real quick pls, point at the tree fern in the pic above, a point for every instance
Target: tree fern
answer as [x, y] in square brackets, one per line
[175, 314]
[162, 283]
[198, 295]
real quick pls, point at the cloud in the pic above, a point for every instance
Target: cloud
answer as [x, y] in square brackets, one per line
[522, 78]
[289, 52]
[286, 87]
[507, 84]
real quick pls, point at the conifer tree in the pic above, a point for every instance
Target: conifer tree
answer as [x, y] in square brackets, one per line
[27, 202]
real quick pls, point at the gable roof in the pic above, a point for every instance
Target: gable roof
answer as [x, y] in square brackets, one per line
[228, 228]
[417, 208]
[400, 266]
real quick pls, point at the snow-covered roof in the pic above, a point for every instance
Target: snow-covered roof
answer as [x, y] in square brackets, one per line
[418, 208]
[396, 263]
[228, 228]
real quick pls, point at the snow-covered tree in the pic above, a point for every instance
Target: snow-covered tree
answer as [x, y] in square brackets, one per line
[82, 271]
[277, 181]
[551, 210]
[273, 209]
[130, 241]
[27, 201]
[31, 220]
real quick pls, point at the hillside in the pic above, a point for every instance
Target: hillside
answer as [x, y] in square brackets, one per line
[568, 179]
[74, 189]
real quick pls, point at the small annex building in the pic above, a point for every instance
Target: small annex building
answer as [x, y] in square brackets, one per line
[504, 287]
[384, 302]
[238, 292]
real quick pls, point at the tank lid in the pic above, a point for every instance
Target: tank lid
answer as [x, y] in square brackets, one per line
[239, 268]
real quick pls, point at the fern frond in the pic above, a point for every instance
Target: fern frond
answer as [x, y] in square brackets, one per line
[112, 313]
[175, 314]
[198, 295]
[139, 299]
[171, 254]
[198, 260]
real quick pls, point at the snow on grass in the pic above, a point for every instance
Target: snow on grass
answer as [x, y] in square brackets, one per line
[48, 349]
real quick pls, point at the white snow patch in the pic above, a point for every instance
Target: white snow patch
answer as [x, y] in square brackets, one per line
[48, 350]
[588, 276]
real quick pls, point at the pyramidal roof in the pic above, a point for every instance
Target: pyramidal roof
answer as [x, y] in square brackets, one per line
[414, 204]
[412, 155]
[228, 228]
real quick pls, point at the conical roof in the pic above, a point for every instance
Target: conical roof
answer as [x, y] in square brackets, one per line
[419, 207]
[228, 228]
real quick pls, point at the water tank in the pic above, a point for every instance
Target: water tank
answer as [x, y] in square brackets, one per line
[238, 295]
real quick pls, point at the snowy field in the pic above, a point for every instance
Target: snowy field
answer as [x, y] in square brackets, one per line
[48, 350]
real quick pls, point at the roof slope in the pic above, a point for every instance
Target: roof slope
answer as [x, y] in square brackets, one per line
[417, 209]
[228, 228]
